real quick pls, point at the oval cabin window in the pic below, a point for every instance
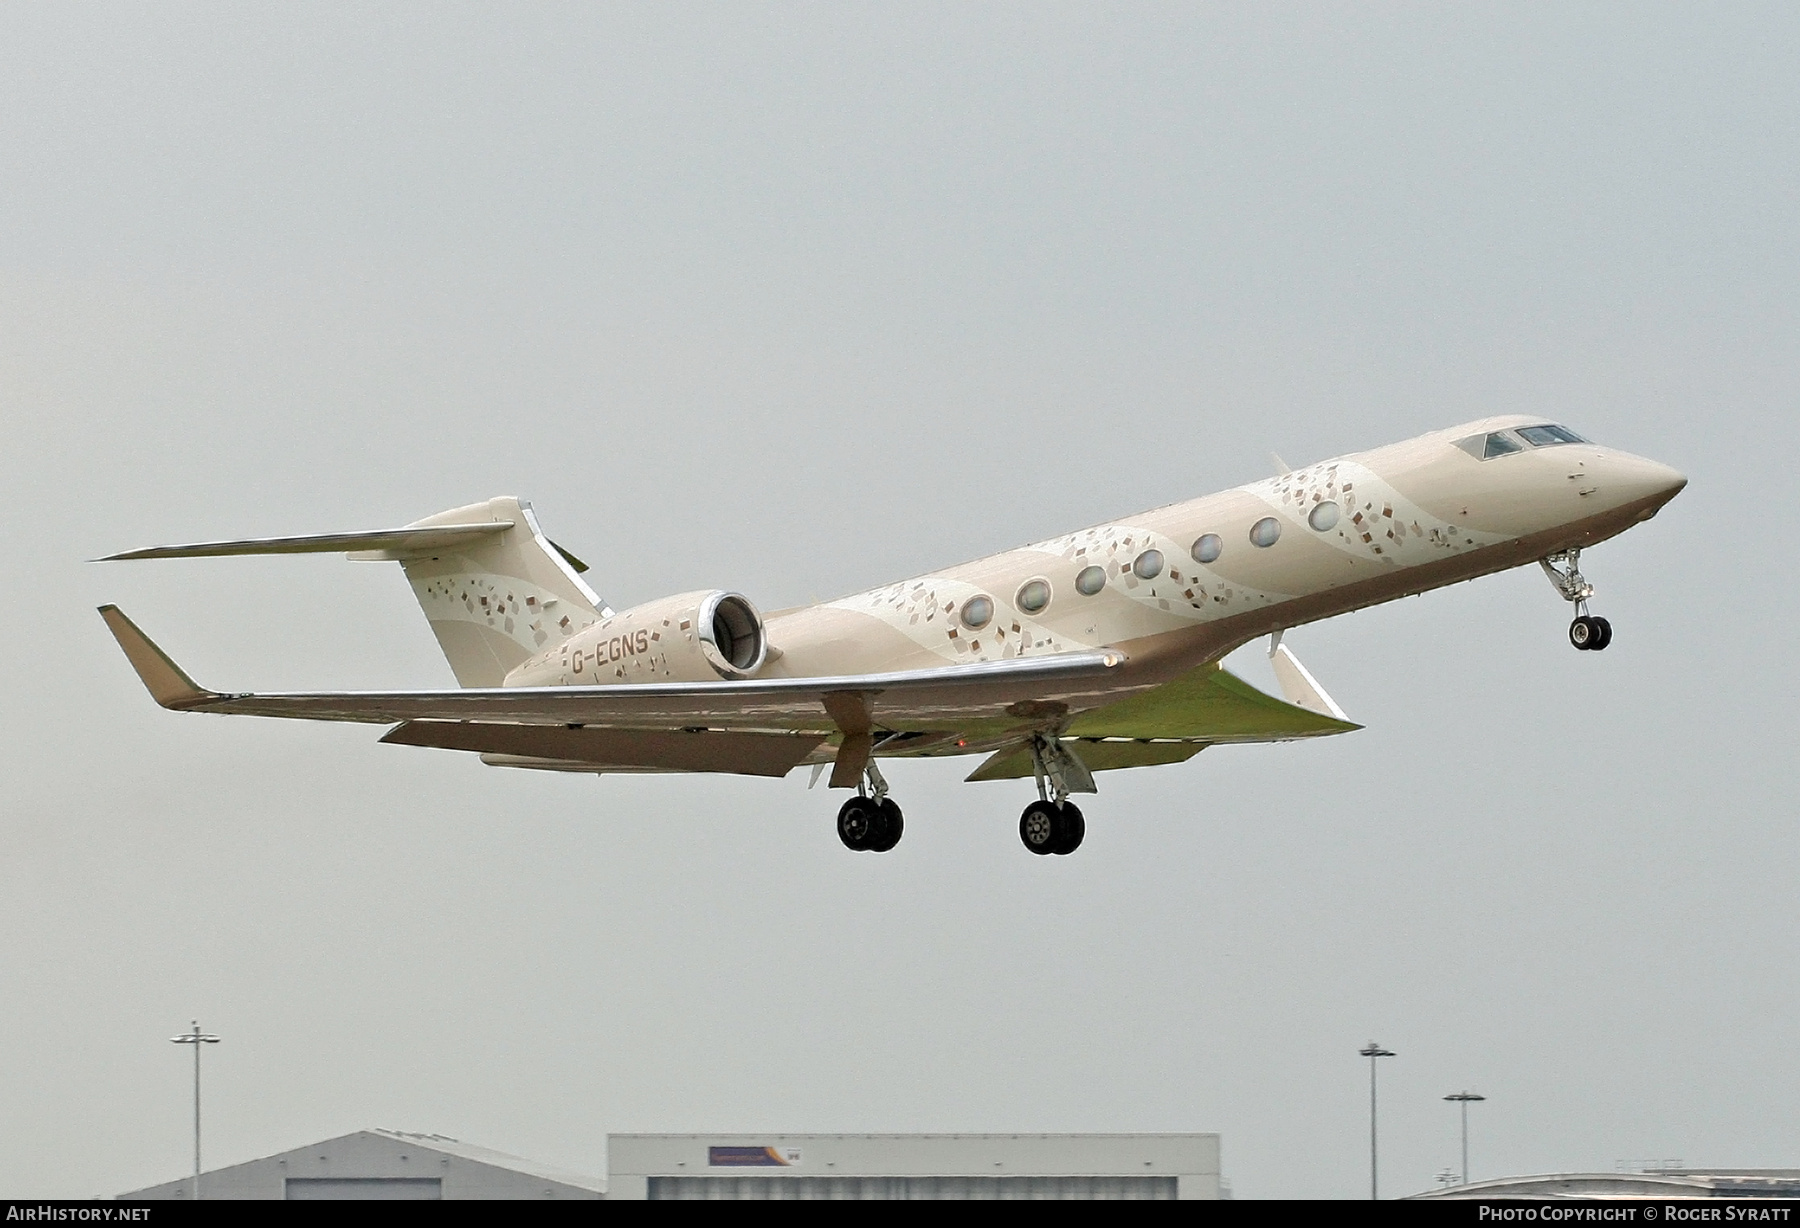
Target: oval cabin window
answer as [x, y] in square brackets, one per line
[1033, 596]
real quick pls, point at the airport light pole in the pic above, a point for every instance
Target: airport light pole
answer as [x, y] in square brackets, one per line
[1373, 1052]
[196, 1038]
[1464, 1098]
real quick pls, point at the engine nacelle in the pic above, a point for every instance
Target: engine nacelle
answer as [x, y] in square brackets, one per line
[690, 637]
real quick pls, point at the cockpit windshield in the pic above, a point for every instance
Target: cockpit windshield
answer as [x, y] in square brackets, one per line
[1504, 443]
[1548, 436]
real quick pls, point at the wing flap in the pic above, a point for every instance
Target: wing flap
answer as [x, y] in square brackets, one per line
[1096, 754]
[746, 754]
[544, 765]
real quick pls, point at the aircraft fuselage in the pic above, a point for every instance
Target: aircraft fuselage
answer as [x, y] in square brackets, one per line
[1184, 584]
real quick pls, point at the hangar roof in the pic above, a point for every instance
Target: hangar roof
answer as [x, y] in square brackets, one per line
[498, 1159]
[456, 1168]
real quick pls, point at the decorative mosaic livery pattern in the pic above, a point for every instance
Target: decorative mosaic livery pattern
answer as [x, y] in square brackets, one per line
[1350, 507]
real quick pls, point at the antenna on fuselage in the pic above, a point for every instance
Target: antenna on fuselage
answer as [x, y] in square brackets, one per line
[1282, 468]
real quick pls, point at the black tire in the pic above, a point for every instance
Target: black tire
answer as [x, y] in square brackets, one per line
[1039, 828]
[1073, 828]
[892, 826]
[1605, 637]
[1582, 633]
[858, 823]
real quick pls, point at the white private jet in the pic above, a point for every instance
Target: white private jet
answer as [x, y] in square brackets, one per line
[1092, 651]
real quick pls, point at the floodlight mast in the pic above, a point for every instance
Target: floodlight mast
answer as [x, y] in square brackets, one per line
[1464, 1097]
[1373, 1051]
[196, 1038]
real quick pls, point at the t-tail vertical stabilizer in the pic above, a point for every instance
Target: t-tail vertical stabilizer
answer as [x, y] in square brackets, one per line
[495, 589]
[494, 601]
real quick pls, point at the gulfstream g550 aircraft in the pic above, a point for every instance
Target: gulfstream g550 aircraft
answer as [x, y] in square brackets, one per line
[1096, 650]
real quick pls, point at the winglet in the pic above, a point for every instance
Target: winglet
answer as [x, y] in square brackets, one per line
[1298, 684]
[167, 683]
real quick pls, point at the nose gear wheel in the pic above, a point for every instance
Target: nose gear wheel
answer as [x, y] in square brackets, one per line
[1588, 632]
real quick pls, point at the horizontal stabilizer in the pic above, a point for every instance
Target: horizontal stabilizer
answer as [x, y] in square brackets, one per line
[396, 542]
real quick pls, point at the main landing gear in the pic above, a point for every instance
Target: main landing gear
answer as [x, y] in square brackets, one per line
[1053, 823]
[870, 822]
[1588, 632]
[1052, 827]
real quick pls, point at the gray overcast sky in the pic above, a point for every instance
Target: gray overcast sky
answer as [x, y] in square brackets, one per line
[797, 299]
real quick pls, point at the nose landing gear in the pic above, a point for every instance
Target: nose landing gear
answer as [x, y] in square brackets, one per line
[870, 822]
[1588, 632]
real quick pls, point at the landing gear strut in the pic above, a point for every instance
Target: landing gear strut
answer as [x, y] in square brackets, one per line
[1053, 823]
[1588, 632]
[870, 821]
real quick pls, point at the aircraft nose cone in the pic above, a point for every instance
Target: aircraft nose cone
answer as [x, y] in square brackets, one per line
[1635, 478]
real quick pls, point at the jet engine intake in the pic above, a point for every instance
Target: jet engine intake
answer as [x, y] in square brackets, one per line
[731, 635]
[690, 637]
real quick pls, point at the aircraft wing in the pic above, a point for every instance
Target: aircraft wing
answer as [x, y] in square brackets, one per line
[948, 698]
[1176, 721]
[1212, 704]
[766, 727]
